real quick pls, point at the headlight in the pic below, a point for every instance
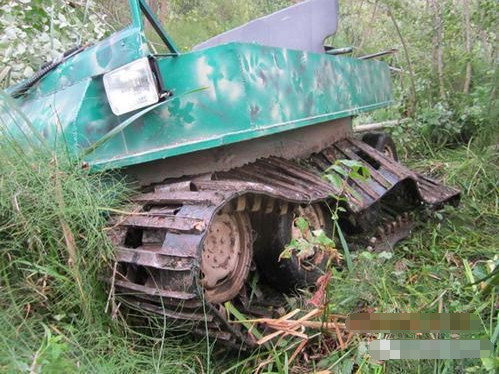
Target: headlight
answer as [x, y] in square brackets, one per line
[131, 87]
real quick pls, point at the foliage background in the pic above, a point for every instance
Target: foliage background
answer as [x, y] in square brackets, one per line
[34, 32]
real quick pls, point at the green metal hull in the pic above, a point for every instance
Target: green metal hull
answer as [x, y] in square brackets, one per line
[247, 91]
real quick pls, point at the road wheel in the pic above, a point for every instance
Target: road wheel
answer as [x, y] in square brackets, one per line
[226, 256]
[383, 143]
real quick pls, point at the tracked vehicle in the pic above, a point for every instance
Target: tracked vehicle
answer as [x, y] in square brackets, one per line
[229, 143]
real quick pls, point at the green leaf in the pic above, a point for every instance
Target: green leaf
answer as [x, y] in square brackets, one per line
[322, 239]
[366, 255]
[231, 309]
[490, 363]
[350, 163]
[286, 254]
[385, 255]
[344, 244]
[339, 170]
[335, 180]
[302, 224]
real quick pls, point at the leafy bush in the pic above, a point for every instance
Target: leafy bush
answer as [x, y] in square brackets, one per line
[36, 31]
[445, 112]
[436, 124]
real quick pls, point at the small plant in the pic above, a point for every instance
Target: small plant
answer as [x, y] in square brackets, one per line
[50, 356]
[339, 174]
[309, 243]
[342, 170]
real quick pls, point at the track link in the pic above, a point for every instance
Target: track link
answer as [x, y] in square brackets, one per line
[159, 246]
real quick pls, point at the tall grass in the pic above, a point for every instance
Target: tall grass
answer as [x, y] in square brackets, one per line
[54, 252]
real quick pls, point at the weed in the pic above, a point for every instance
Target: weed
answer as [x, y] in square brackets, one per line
[309, 242]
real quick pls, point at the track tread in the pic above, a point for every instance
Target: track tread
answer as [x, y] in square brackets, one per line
[181, 212]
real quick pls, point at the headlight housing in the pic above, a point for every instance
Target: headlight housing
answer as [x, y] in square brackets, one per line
[131, 87]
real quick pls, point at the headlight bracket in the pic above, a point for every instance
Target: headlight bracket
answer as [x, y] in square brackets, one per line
[163, 92]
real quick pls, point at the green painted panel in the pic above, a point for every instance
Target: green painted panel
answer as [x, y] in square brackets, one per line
[249, 91]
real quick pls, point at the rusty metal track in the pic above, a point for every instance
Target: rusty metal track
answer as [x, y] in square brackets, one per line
[159, 247]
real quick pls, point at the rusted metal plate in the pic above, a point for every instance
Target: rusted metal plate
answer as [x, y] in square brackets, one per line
[161, 310]
[175, 186]
[200, 211]
[385, 163]
[172, 223]
[155, 291]
[153, 258]
[348, 154]
[182, 245]
[298, 172]
[390, 171]
[433, 192]
[281, 184]
[179, 197]
[288, 171]
[177, 304]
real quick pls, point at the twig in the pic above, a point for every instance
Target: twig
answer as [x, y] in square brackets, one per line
[438, 298]
[408, 60]
[340, 338]
[284, 326]
[132, 213]
[200, 364]
[289, 315]
[318, 298]
[324, 325]
[123, 219]
[15, 202]
[111, 291]
[262, 364]
[297, 351]
[33, 369]
[5, 77]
